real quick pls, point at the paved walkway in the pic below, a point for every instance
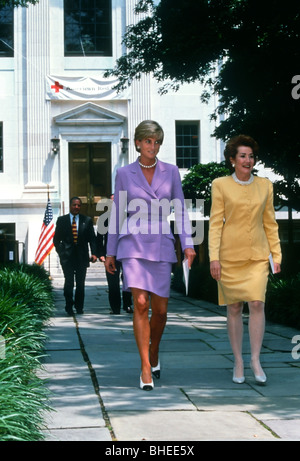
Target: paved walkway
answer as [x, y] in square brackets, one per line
[93, 371]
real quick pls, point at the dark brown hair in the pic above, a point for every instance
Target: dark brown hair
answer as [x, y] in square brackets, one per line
[75, 198]
[232, 147]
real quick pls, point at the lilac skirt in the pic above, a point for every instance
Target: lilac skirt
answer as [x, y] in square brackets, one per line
[151, 276]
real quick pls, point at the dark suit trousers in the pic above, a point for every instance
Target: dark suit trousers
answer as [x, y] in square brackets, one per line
[74, 272]
[114, 295]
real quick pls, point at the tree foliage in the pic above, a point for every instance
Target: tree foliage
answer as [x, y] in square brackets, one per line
[253, 44]
[16, 3]
[197, 182]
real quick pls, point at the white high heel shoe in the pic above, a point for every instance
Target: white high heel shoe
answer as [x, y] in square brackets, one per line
[156, 370]
[237, 380]
[260, 379]
[146, 386]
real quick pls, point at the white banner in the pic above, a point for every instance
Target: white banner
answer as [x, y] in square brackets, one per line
[78, 88]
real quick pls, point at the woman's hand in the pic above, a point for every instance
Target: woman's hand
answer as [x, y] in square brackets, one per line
[189, 254]
[110, 264]
[215, 270]
[277, 268]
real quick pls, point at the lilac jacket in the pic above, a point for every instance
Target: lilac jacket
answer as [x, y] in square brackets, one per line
[139, 225]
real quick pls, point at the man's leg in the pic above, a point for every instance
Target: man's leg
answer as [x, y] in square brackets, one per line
[68, 271]
[114, 296]
[127, 301]
[80, 275]
[126, 298]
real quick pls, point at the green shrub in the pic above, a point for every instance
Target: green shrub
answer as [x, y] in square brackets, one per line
[282, 300]
[38, 272]
[23, 397]
[201, 284]
[196, 183]
[26, 303]
[21, 286]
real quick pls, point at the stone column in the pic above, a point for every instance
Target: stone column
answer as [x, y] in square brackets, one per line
[139, 106]
[38, 109]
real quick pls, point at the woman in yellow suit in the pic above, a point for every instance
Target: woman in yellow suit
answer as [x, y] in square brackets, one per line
[242, 234]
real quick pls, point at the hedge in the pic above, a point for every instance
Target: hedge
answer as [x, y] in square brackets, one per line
[26, 304]
[282, 299]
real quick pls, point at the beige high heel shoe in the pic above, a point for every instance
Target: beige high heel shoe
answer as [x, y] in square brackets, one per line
[260, 379]
[237, 380]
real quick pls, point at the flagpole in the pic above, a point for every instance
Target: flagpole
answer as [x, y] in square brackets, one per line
[48, 198]
[45, 242]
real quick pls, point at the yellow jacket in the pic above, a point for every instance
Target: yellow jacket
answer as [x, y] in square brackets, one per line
[242, 221]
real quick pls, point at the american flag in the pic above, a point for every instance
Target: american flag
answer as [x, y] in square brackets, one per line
[45, 244]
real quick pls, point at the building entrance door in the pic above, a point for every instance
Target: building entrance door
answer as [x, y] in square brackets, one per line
[90, 174]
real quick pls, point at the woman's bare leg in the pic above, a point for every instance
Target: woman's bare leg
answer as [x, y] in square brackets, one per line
[235, 332]
[256, 333]
[158, 321]
[145, 330]
[141, 328]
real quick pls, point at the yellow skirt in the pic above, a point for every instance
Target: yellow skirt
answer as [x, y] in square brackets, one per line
[243, 281]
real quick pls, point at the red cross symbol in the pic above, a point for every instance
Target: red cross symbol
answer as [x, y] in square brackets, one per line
[57, 87]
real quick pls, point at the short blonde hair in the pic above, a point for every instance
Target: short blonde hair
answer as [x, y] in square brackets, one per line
[148, 129]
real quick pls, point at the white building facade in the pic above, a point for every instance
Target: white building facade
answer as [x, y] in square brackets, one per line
[63, 127]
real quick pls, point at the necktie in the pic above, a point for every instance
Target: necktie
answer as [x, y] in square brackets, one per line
[74, 230]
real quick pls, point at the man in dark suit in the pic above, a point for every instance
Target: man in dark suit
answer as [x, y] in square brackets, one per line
[74, 234]
[113, 281]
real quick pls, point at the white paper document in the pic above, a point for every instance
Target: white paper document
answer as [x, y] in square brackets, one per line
[186, 273]
[271, 262]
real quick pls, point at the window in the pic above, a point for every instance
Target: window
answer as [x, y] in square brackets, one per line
[187, 144]
[6, 31]
[88, 28]
[1, 147]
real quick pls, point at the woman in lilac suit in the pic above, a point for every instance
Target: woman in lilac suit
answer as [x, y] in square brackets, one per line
[140, 237]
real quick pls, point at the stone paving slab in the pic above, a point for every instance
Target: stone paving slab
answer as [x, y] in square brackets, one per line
[83, 434]
[62, 334]
[72, 384]
[131, 399]
[194, 359]
[288, 430]
[93, 369]
[244, 399]
[282, 382]
[77, 411]
[195, 377]
[187, 426]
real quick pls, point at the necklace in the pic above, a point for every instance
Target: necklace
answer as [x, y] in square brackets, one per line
[243, 183]
[148, 166]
